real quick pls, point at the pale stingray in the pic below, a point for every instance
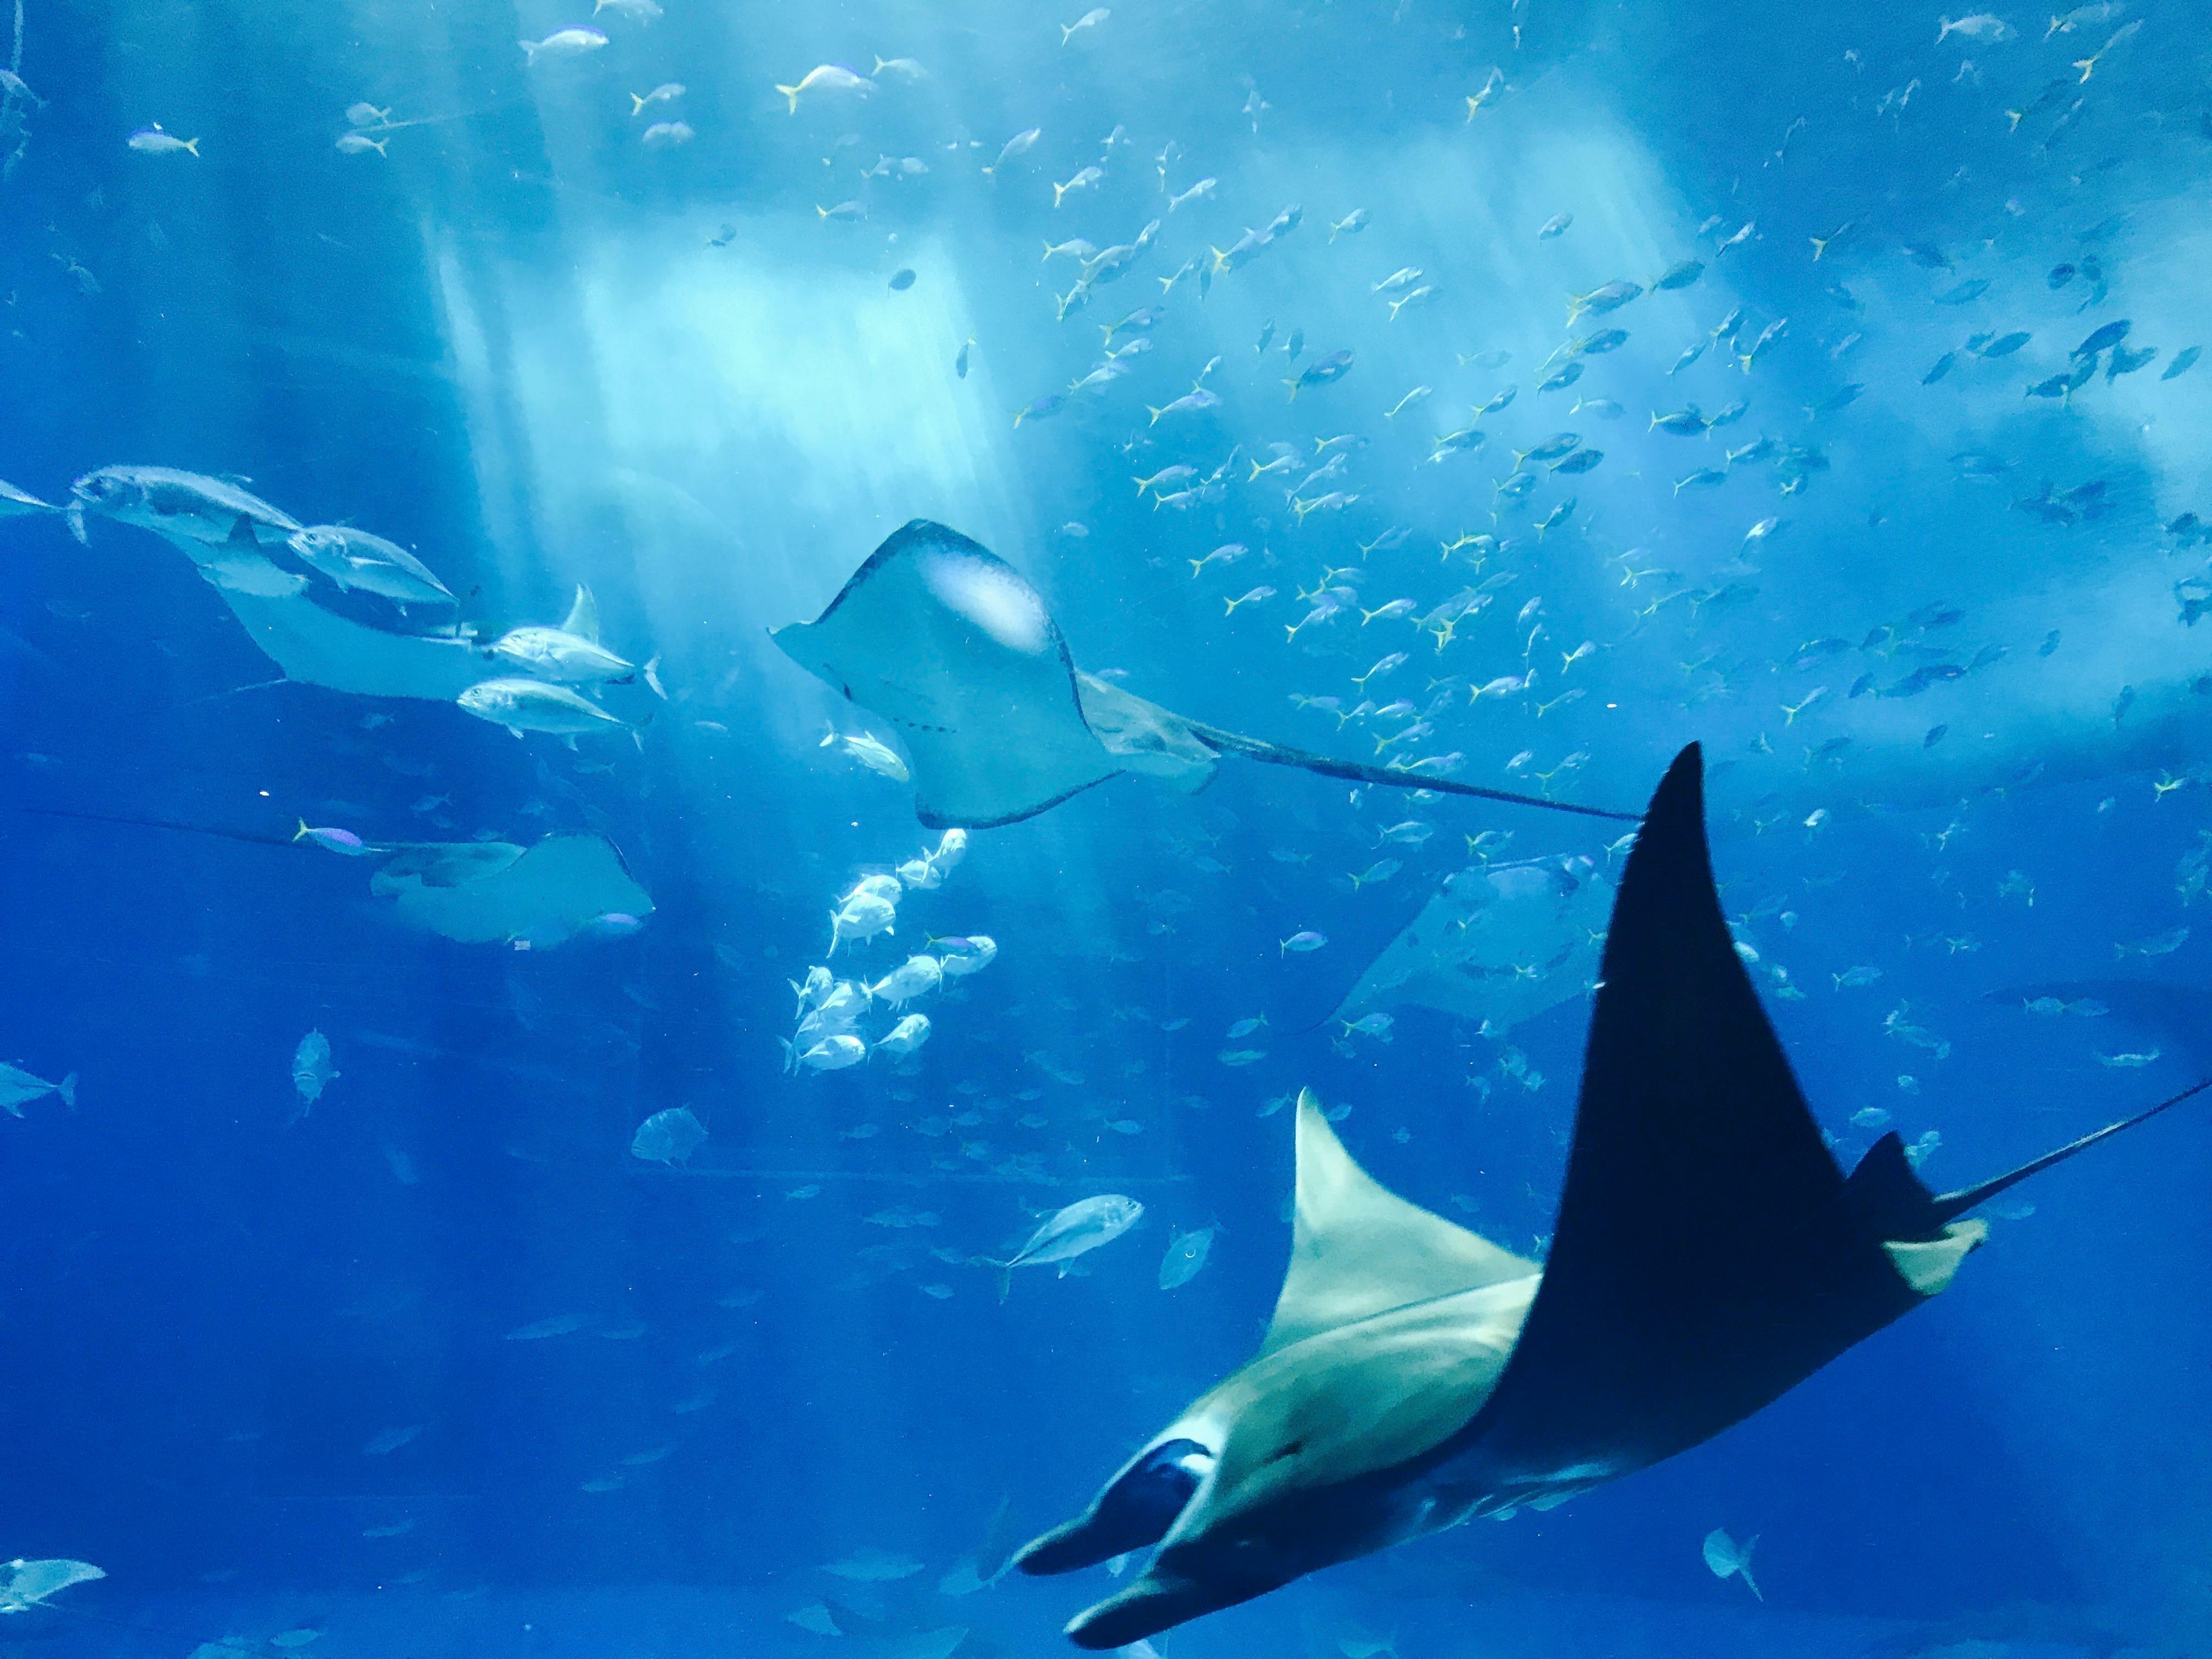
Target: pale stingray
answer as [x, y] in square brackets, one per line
[314, 645]
[495, 892]
[952, 647]
[1499, 943]
[319, 647]
[30, 1583]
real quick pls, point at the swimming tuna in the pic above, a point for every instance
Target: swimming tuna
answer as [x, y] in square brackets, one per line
[18, 1088]
[1076, 1231]
[523, 706]
[370, 564]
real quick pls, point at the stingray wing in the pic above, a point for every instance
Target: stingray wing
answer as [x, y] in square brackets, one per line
[545, 895]
[948, 643]
[1707, 1256]
[316, 646]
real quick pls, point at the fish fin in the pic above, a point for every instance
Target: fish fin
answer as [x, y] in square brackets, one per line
[241, 534]
[583, 618]
[637, 105]
[193, 144]
[67, 1090]
[791, 93]
[14, 1110]
[302, 832]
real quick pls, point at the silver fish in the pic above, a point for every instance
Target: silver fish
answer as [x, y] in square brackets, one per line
[1076, 1231]
[355, 559]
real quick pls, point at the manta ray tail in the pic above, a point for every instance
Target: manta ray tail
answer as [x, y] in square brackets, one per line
[1951, 1204]
[1276, 754]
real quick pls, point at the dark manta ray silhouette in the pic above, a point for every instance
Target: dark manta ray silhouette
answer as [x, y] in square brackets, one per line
[949, 643]
[1709, 1256]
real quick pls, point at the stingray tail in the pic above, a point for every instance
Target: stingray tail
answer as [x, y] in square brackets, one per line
[161, 823]
[1275, 754]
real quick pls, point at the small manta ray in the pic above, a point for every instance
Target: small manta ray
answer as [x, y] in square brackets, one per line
[949, 643]
[1709, 1256]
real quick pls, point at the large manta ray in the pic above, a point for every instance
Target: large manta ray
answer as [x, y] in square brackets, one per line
[950, 644]
[1709, 1256]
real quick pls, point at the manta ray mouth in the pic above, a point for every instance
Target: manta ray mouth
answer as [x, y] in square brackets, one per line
[1134, 1512]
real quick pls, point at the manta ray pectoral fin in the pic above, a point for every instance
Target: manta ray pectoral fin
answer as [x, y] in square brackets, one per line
[1358, 1249]
[1708, 1255]
[1704, 1260]
[1134, 1510]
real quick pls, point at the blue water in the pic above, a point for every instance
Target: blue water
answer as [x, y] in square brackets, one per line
[541, 353]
